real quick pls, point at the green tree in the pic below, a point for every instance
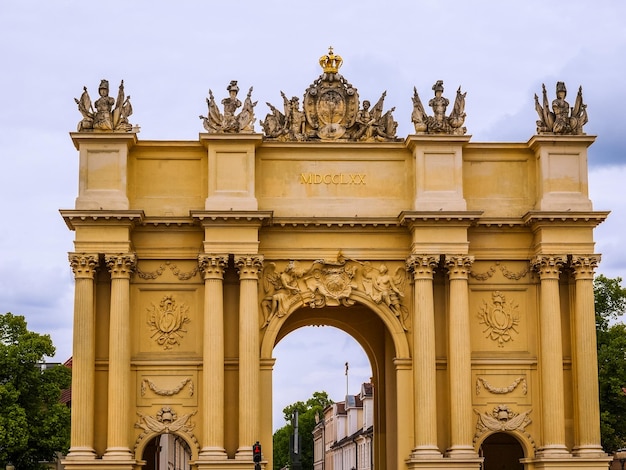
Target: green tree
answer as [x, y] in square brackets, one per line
[34, 425]
[610, 304]
[306, 422]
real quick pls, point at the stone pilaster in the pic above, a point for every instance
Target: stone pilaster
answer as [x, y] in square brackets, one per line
[551, 363]
[585, 359]
[249, 361]
[424, 365]
[121, 267]
[404, 399]
[459, 359]
[84, 267]
[212, 267]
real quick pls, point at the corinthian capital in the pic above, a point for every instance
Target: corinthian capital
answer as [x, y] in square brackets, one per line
[83, 265]
[583, 266]
[212, 266]
[249, 266]
[121, 265]
[458, 266]
[422, 266]
[548, 266]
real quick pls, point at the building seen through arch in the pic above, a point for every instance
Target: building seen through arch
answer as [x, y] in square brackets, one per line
[343, 436]
[463, 269]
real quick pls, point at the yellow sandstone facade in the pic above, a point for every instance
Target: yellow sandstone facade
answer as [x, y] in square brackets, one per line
[463, 269]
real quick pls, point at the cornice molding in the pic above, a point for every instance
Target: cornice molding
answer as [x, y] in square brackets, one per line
[464, 218]
[75, 218]
[590, 218]
[78, 138]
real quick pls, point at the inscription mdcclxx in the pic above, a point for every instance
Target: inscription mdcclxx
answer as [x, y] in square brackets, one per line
[332, 178]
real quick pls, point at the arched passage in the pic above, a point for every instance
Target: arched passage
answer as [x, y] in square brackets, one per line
[502, 451]
[312, 359]
[165, 451]
[382, 338]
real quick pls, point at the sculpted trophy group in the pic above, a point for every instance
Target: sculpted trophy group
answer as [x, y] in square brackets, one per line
[330, 111]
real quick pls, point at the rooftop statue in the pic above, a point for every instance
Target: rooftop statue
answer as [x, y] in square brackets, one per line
[109, 114]
[561, 120]
[229, 122]
[330, 111]
[439, 123]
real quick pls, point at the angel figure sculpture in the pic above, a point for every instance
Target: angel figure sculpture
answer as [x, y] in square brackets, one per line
[374, 125]
[384, 288]
[281, 289]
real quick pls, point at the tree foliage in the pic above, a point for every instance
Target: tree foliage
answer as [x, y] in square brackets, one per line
[34, 425]
[610, 304]
[306, 422]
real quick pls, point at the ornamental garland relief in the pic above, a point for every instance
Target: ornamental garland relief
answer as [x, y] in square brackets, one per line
[501, 390]
[181, 275]
[167, 321]
[513, 276]
[146, 383]
[331, 283]
[500, 318]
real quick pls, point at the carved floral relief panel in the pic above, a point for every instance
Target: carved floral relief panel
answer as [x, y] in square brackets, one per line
[499, 319]
[167, 320]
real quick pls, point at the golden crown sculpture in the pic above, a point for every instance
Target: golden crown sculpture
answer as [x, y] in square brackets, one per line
[330, 62]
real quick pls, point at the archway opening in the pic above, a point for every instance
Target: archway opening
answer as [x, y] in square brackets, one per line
[360, 329]
[167, 452]
[312, 359]
[502, 451]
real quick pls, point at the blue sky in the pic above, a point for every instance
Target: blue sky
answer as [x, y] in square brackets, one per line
[170, 54]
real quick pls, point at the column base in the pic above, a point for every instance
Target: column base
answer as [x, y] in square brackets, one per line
[425, 452]
[118, 454]
[212, 453]
[244, 453]
[461, 452]
[589, 452]
[553, 452]
[81, 453]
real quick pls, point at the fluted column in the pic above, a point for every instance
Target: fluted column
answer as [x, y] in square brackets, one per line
[83, 356]
[424, 364]
[551, 359]
[121, 266]
[212, 267]
[459, 359]
[586, 358]
[249, 361]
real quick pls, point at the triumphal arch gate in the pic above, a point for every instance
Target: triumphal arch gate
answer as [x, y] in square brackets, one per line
[464, 270]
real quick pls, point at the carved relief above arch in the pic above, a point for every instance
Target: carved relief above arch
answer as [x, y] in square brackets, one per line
[503, 419]
[166, 421]
[396, 330]
[320, 283]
